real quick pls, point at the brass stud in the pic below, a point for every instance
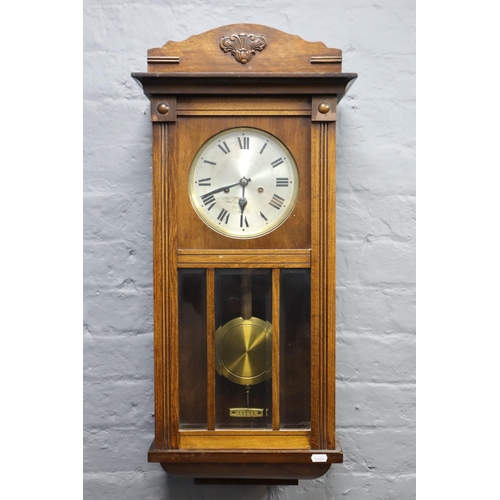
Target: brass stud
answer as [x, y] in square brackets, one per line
[163, 108]
[323, 108]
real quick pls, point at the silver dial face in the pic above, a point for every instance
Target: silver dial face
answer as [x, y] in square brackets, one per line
[243, 183]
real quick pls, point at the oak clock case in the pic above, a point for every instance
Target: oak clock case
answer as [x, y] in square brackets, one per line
[244, 254]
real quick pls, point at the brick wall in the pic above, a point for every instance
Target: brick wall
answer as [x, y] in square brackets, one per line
[375, 244]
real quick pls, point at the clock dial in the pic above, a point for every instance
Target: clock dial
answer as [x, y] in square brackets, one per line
[243, 183]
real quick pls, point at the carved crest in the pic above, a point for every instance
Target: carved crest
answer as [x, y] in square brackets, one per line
[242, 46]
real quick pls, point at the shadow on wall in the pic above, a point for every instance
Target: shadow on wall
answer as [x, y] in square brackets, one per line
[180, 488]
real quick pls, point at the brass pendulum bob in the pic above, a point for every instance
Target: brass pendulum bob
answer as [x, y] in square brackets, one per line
[243, 345]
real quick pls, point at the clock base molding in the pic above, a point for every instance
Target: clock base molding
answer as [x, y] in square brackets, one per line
[247, 466]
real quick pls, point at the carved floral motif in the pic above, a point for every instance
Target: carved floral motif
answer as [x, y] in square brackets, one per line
[242, 46]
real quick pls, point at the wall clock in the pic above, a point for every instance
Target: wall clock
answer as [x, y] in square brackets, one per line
[243, 145]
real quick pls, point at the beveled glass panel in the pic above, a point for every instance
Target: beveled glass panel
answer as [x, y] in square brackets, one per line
[192, 349]
[295, 349]
[243, 338]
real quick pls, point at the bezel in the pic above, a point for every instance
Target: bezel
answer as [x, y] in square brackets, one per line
[269, 227]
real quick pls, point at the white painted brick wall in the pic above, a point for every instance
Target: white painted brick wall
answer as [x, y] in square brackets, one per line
[375, 243]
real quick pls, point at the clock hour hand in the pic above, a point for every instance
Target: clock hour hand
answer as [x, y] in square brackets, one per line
[242, 202]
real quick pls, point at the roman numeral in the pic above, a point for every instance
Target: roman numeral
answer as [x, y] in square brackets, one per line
[223, 213]
[210, 162]
[276, 202]
[243, 220]
[244, 142]
[282, 182]
[263, 147]
[207, 199]
[263, 216]
[277, 162]
[224, 148]
[205, 182]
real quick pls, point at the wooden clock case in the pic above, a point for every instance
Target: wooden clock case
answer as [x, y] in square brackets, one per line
[243, 75]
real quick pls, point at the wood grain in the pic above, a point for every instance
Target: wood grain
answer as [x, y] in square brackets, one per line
[323, 273]
[279, 90]
[247, 105]
[210, 350]
[224, 258]
[248, 456]
[245, 440]
[283, 53]
[329, 250]
[160, 276]
[316, 293]
[193, 233]
[170, 165]
[269, 84]
[249, 472]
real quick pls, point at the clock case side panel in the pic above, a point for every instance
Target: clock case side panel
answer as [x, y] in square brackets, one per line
[323, 252]
[164, 288]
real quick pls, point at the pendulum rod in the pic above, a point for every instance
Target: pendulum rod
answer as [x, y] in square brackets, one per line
[246, 294]
[246, 308]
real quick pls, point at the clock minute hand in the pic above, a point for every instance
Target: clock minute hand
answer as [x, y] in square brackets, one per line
[218, 190]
